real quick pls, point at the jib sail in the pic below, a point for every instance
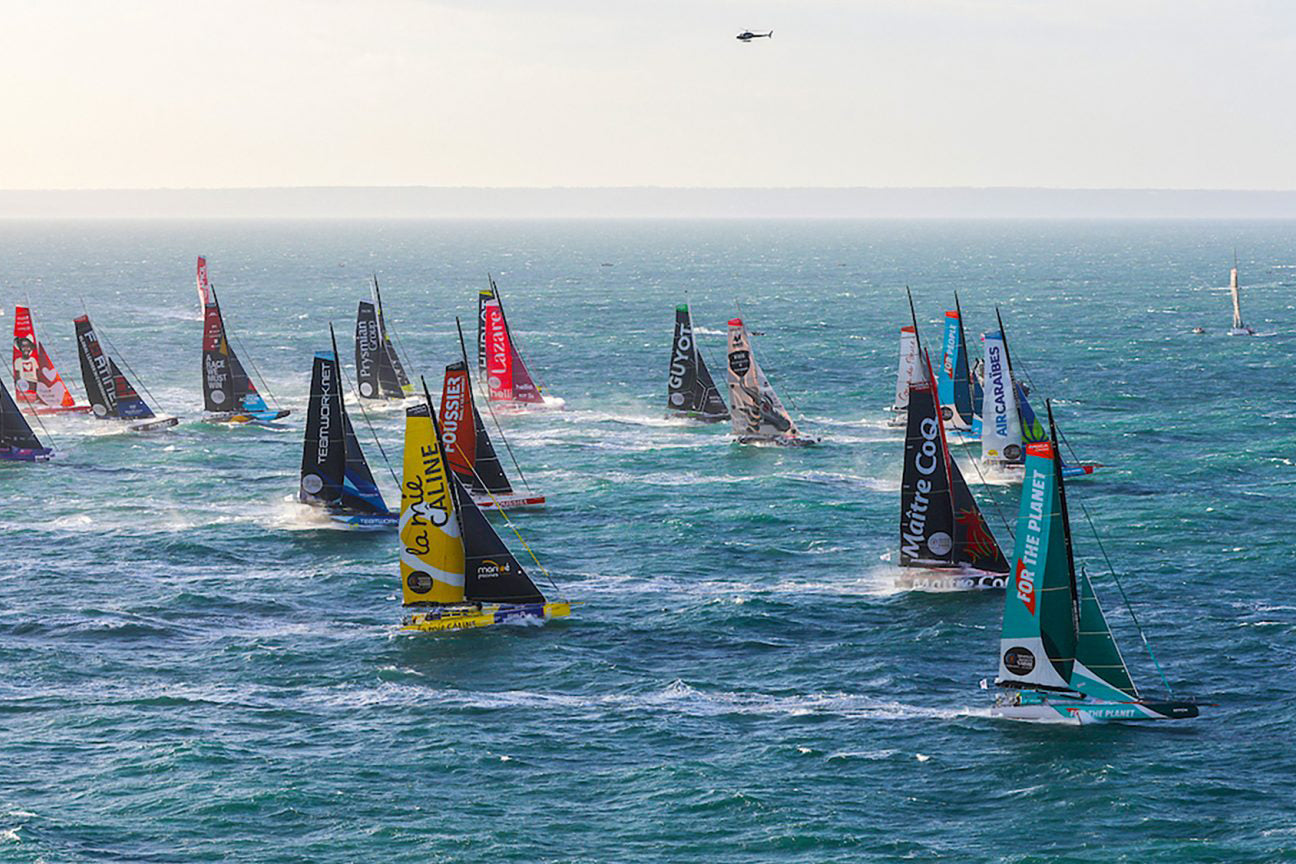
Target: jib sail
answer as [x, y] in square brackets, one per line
[690, 389]
[15, 433]
[491, 573]
[392, 358]
[757, 411]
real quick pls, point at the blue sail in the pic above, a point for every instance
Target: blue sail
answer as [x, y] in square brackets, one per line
[945, 377]
[359, 491]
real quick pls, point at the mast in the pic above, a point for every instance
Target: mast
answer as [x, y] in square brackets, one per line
[1066, 517]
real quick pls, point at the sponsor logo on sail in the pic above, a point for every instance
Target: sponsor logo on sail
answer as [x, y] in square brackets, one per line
[1027, 564]
[739, 362]
[419, 582]
[681, 361]
[1019, 661]
[325, 413]
[998, 392]
[914, 525]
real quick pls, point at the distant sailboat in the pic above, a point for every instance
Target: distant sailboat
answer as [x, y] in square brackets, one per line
[941, 527]
[229, 396]
[111, 396]
[456, 573]
[334, 472]
[379, 372]
[757, 413]
[954, 383]
[690, 391]
[1008, 422]
[38, 387]
[908, 369]
[1239, 328]
[468, 445]
[1058, 660]
[498, 356]
[17, 441]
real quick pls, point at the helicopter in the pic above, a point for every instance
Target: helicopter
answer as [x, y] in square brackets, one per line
[747, 35]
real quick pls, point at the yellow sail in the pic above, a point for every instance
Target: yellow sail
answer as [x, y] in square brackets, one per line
[432, 552]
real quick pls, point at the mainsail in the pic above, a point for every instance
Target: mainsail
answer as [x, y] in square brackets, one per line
[17, 441]
[1001, 433]
[506, 375]
[908, 366]
[757, 411]
[468, 445]
[954, 381]
[111, 395]
[227, 389]
[376, 375]
[690, 389]
[940, 522]
[37, 383]
[1238, 325]
[431, 541]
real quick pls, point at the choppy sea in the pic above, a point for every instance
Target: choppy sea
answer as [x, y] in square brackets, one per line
[194, 669]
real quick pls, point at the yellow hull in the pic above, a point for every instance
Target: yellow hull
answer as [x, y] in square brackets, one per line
[472, 616]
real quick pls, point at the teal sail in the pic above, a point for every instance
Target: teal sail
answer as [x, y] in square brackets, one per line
[1099, 668]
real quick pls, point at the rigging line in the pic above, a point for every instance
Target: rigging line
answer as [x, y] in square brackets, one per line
[260, 377]
[1125, 597]
[976, 465]
[521, 539]
[400, 345]
[363, 412]
[122, 358]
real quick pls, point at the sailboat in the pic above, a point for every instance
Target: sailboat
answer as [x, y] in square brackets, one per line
[1238, 328]
[690, 392]
[468, 445]
[455, 572]
[1058, 660]
[907, 370]
[954, 384]
[379, 372]
[111, 395]
[757, 414]
[38, 387]
[229, 396]
[334, 473]
[941, 527]
[498, 357]
[1008, 422]
[17, 441]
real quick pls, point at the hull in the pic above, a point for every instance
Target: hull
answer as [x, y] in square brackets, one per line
[255, 417]
[472, 616]
[1240, 331]
[1013, 472]
[1036, 707]
[367, 521]
[25, 454]
[899, 417]
[512, 406]
[696, 416]
[1084, 469]
[56, 409]
[950, 579]
[509, 502]
[152, 425]
[781, 440]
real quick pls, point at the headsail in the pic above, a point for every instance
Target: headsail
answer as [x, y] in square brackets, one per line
[431, 541]
[36, 381]
[507, 377]
[757, 410]
[491, 572]
[1001, 434]
[389, 347]
[690, 389]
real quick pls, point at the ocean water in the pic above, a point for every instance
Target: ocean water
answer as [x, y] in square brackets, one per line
[194, 669]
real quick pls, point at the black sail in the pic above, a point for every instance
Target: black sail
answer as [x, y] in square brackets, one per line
[689, 387]
[974, 544]
[491, 573]
[323, 464]
[483, 297]
[391, 358]
[14, 431]
[490, 471]
[926, 511]
[369, 351]
[96, 370]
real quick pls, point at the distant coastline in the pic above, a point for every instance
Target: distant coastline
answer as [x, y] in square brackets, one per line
[426, 202]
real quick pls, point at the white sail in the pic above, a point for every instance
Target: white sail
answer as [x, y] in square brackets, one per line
[1237, 305]
[757, 411]
[1001, 435]
[908, 366]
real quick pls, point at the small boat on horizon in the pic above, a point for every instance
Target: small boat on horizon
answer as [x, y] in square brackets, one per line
[1239, 327]
[908, 368]
[38, 387]
[111, 395]
[1058, 660]
[757, 413]
[954, 382]
[229, 396]
[455, 571]
[690, 390]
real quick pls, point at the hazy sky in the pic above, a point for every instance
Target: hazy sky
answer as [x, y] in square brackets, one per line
[1085, 93]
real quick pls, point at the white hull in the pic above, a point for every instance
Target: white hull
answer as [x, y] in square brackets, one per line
[508, 502]
[949, 579]
[153, 424]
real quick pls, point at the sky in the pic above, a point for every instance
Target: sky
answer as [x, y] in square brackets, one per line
[891, 93]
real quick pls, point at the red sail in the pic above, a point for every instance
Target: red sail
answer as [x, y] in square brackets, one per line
[36, 381]
[458, 432]
[499, 355]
